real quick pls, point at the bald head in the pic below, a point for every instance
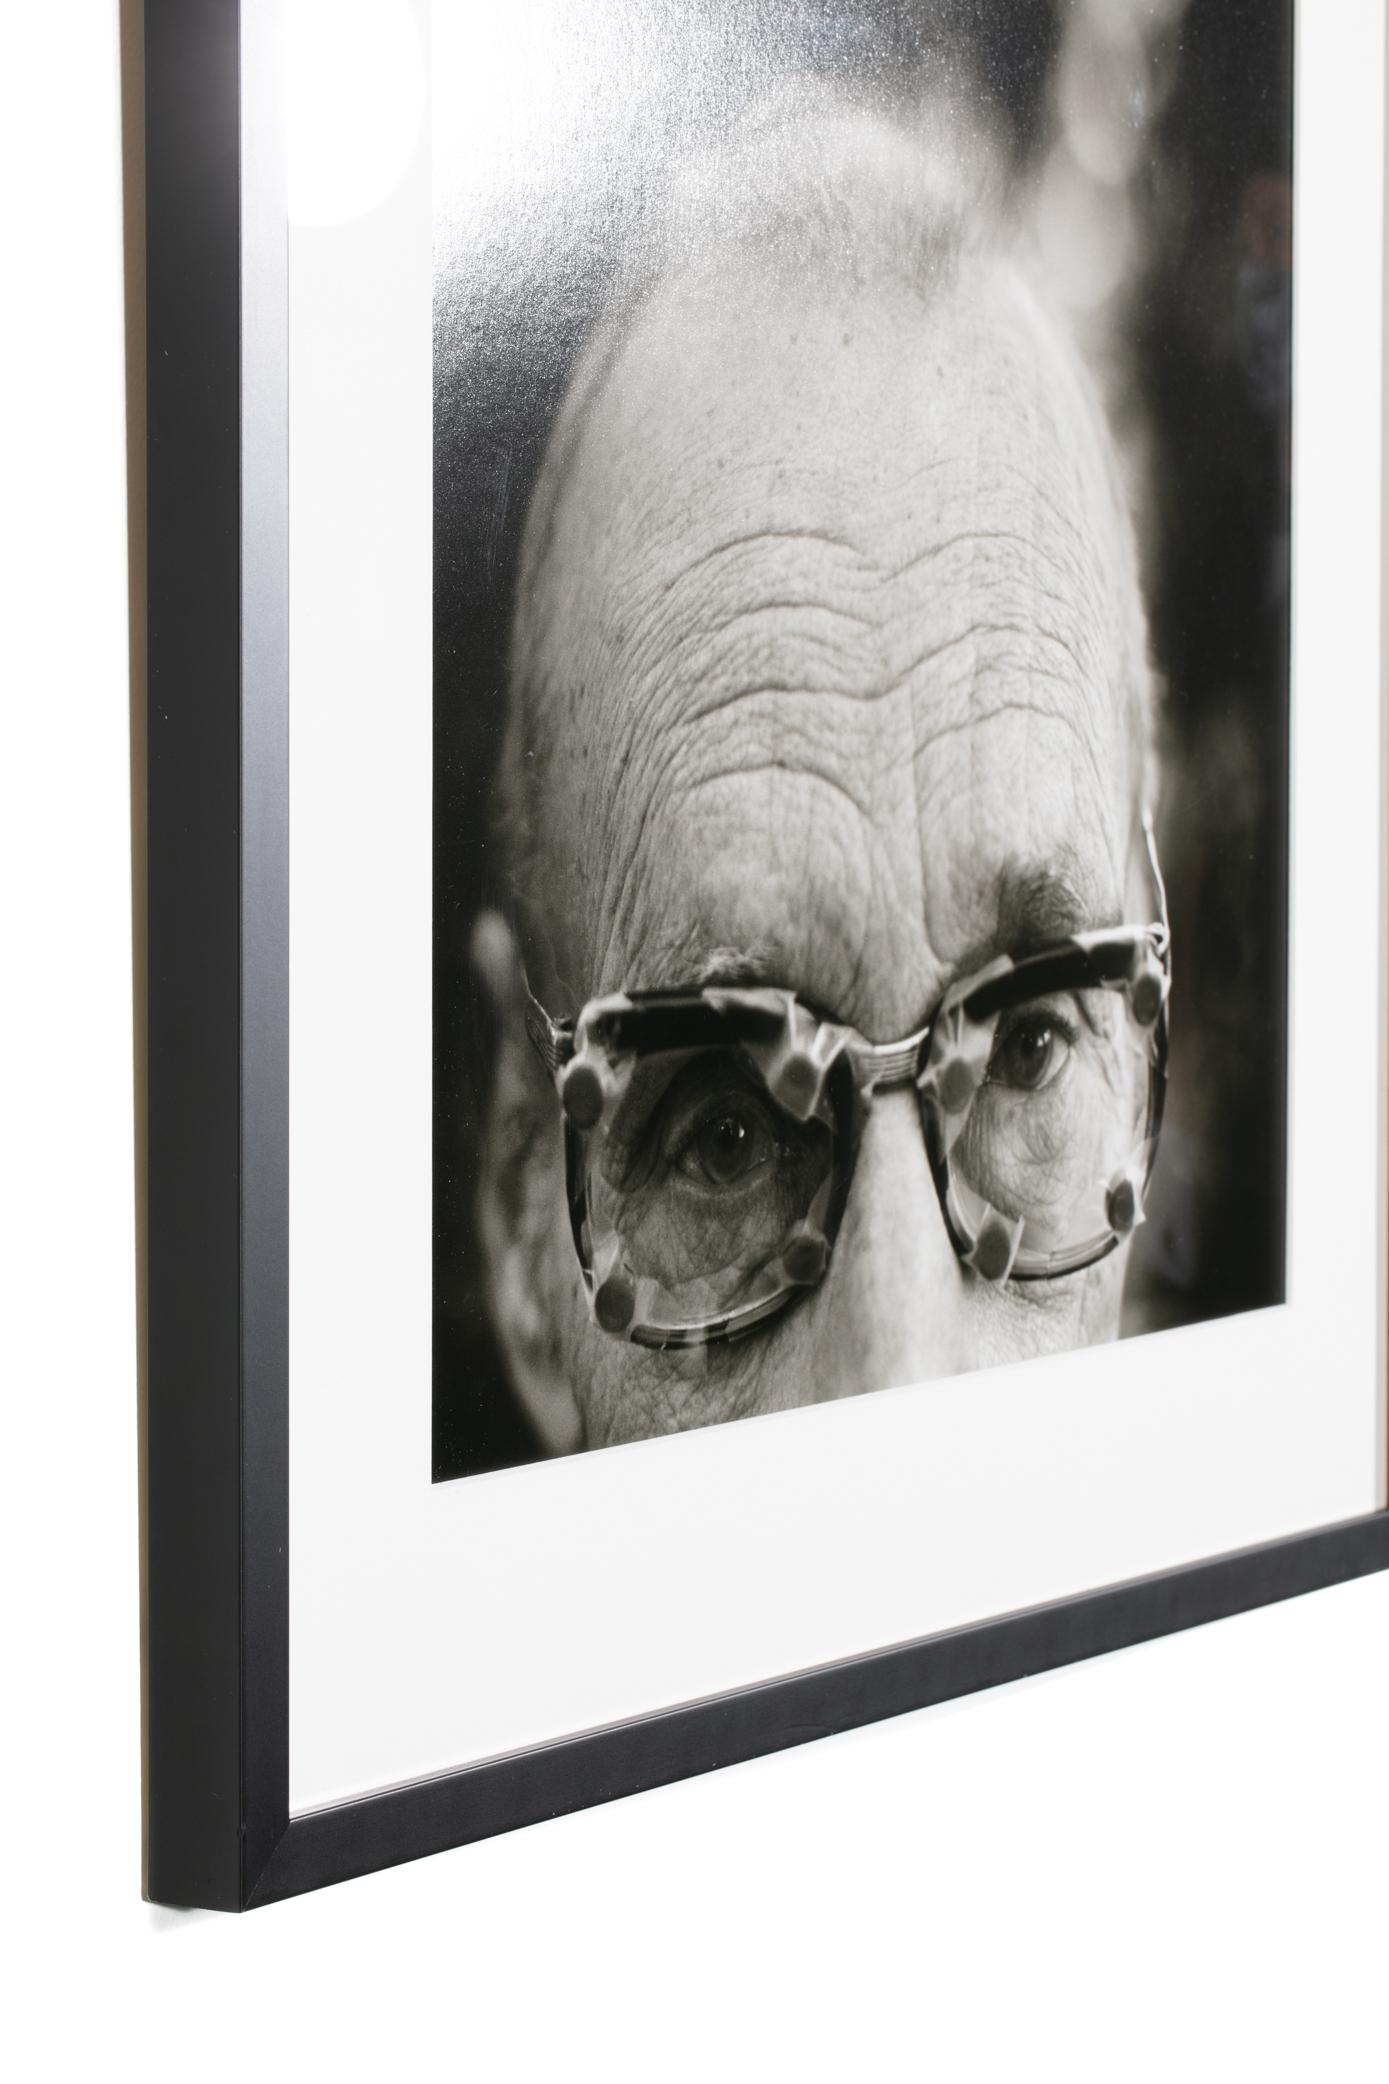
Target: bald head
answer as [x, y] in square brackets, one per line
[829, 662]
[809, 474]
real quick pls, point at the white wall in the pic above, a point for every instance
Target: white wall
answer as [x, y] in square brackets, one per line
[1170, 1863]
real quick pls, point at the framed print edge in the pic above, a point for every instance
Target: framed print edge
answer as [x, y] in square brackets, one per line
[398, 1824]
[192, 1417]
[265, 925]
[215, 1432]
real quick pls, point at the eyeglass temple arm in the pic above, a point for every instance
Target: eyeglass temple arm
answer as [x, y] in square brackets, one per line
[552, 1040]
[1159, 887]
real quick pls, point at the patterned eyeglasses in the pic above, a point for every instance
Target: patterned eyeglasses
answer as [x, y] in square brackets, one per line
[711, 1134]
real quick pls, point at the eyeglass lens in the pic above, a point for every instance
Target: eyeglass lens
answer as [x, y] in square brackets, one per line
[705, 1196]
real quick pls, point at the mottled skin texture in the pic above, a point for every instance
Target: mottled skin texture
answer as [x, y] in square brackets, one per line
[840, 670]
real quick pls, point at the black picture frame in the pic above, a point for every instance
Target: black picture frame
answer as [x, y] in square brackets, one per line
[214, 1421]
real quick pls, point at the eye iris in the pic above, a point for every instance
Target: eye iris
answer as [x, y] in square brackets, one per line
[1028, 1054]
[727, 1148]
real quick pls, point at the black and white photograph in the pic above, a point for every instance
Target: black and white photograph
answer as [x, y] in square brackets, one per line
[758, 841]
[861, 594]
[696, 1324]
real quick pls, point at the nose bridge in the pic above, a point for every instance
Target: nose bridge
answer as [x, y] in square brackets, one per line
[893, 1302]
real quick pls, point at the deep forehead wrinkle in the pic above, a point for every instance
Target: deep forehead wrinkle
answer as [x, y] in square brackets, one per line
[855, 522]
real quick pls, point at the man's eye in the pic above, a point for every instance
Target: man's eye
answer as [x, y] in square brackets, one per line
[1030, 1052]
[730, 1143]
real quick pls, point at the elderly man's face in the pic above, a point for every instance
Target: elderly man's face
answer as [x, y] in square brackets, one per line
[838, 620]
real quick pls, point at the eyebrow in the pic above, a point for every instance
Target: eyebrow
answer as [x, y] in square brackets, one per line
[1038, 902]
[1032, 904]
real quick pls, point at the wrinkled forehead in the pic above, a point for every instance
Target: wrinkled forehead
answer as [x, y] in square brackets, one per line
[827, 410]
[829, 579]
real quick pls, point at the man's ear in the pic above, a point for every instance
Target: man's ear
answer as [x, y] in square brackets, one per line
[521, 1203]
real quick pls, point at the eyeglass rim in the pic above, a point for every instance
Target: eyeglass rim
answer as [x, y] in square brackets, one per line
[554, 1039]
[1007, 980]
[877, 1067]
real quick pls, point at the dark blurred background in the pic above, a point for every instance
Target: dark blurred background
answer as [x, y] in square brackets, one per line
[1154, 137]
